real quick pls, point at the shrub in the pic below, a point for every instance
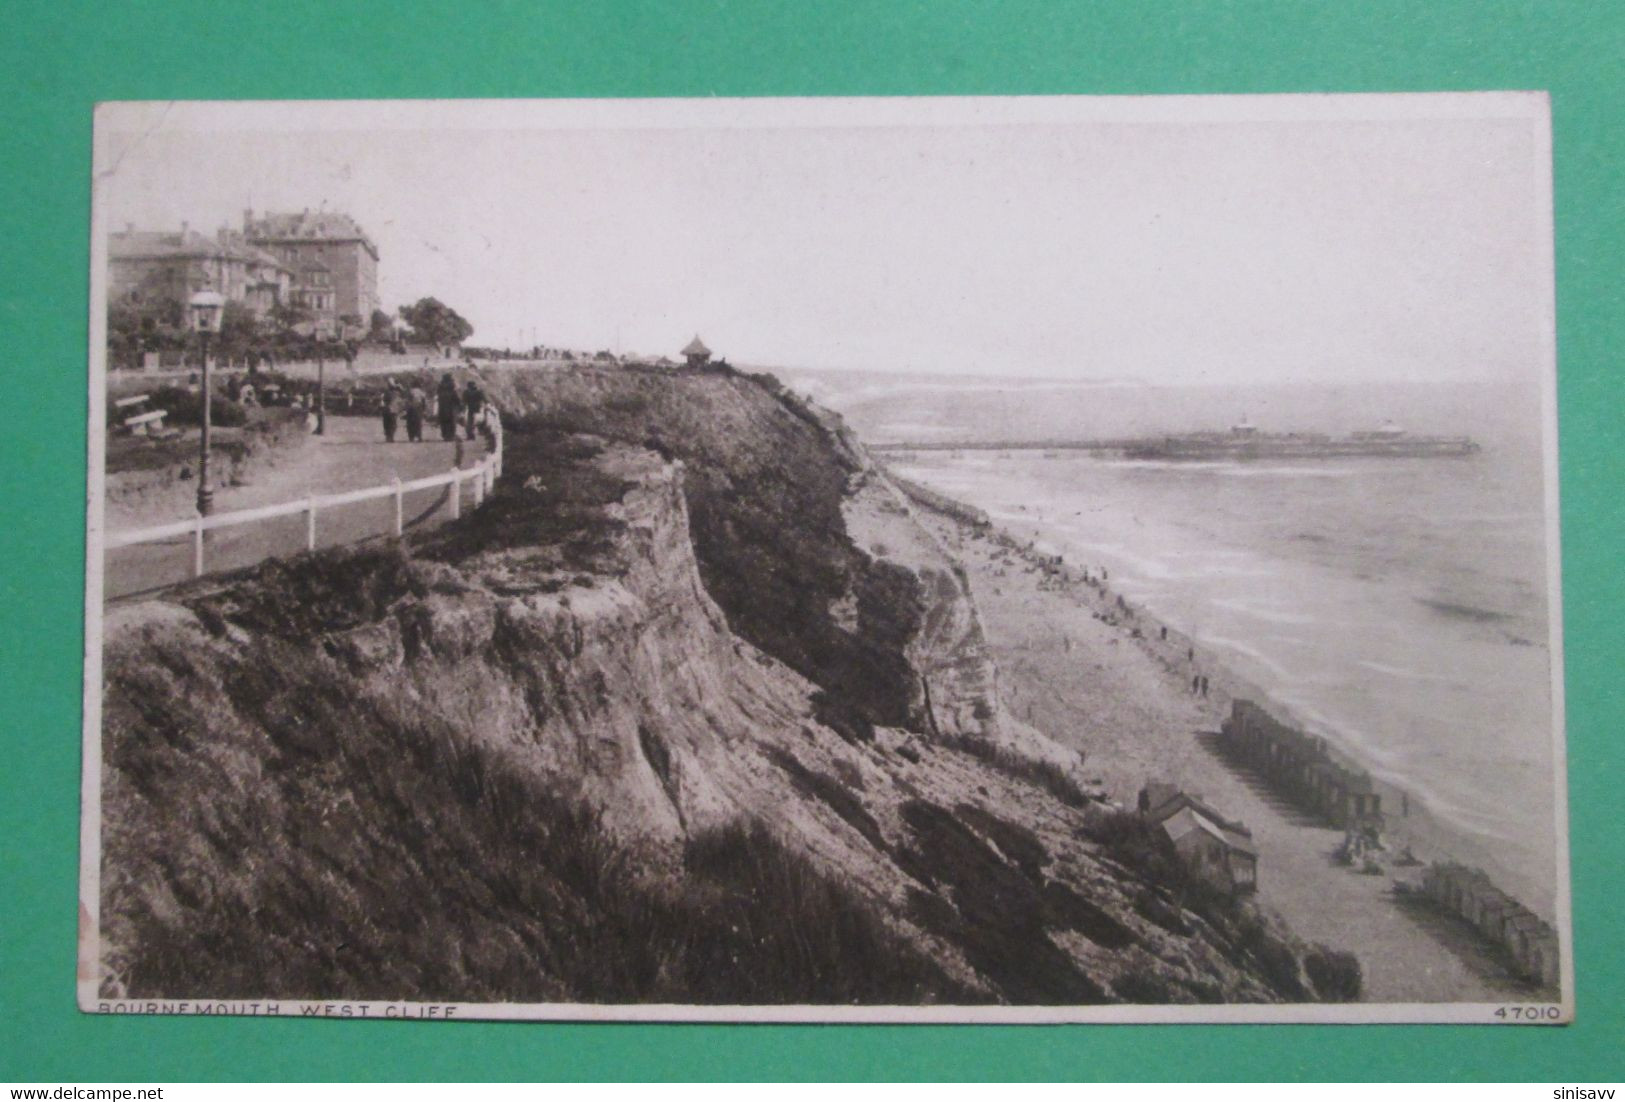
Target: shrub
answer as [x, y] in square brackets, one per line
[186, 408]
[1276, 961]
[1335, 973]
[1046, 775]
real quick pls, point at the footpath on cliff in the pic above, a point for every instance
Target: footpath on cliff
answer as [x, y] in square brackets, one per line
[1126, 703]
[350, 455]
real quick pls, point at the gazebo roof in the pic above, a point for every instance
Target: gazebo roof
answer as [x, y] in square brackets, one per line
[696, 347]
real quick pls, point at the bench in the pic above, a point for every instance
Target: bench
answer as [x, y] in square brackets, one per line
[150, 423]
[146, 424]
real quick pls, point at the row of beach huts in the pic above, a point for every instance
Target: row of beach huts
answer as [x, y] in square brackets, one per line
[1304, 767]
[1468, 894]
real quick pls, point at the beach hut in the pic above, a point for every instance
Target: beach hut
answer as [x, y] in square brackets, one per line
[1224, 858]
[1530, 942]
[1215, 848]
[1494, 911]
[1499, 919]
[1537, 953]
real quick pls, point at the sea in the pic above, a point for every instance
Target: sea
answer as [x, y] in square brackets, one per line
[1398, 607]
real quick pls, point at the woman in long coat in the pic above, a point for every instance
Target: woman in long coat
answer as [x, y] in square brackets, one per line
[447, 407]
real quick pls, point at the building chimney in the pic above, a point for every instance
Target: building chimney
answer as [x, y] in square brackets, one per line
[185, 227]
[248, 220]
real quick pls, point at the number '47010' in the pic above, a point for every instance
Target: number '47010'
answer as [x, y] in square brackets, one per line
[1528, 1013]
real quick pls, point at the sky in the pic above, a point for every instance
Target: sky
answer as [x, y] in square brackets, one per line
[1183, 240]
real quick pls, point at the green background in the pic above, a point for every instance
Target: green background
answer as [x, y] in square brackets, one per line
[60, 58]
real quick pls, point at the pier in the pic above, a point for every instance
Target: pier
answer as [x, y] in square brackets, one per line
[1240, 443]
[1097, 446]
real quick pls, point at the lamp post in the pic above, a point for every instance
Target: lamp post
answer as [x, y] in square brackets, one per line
[205, 308]
[321, 386]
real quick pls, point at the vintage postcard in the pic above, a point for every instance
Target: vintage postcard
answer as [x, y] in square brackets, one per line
[958, 560]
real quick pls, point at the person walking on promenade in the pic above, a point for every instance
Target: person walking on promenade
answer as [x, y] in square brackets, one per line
[1204, 686]
[392, 409]
[473, 403]
[417, 404]
[446, 407]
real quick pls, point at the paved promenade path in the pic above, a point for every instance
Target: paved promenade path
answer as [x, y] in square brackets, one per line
[350, 456]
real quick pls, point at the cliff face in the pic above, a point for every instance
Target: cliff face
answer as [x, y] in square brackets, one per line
[767, 480]
[601, 740]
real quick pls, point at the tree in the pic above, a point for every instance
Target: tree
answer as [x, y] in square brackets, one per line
[139, 324]
[286, 317]
[239, 330]
[381, 326]
[433, 322]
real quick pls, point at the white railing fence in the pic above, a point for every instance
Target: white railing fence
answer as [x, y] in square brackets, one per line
[482, 475]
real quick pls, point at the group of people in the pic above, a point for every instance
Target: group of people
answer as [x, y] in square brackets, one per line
[241, 391]
[412, 405]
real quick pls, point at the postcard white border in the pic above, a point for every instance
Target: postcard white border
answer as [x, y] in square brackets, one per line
[113, 120]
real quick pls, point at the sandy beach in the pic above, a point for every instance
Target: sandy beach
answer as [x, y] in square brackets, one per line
[1101, 678]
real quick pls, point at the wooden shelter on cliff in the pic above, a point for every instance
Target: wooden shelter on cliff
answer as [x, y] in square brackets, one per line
[695, 354]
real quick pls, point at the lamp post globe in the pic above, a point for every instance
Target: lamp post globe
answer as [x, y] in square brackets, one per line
[204, 310]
